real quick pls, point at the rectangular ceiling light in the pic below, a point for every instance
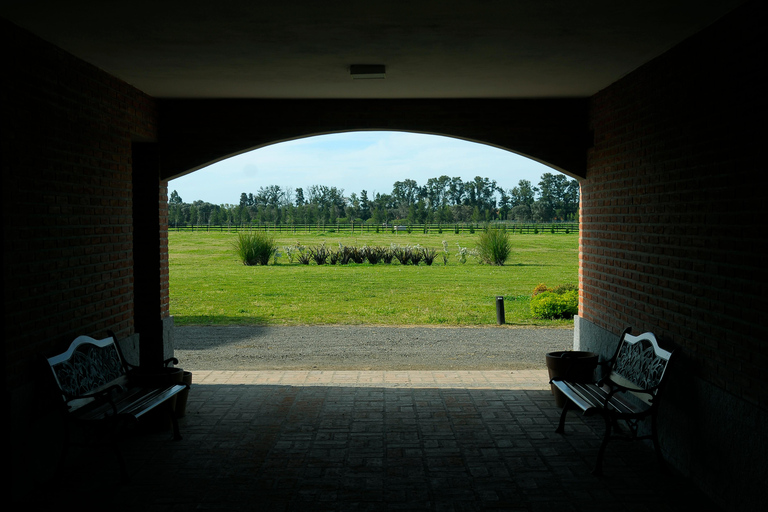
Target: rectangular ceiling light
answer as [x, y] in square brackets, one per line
[367, 71]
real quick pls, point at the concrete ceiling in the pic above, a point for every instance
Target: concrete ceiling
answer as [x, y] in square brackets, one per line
[303, 48]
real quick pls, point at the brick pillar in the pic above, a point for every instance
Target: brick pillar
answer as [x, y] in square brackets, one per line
[147, 254]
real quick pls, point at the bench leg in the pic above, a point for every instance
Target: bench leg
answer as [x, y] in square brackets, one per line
[656, 445]
[174, 421]
[598, 471]
[561, 426]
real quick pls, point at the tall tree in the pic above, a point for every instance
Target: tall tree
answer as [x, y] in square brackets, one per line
[365, 205]
[456, 191]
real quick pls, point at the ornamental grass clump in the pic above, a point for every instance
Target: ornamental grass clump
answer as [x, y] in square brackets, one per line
[558, 302]
[320, 254]
[255, 248]
[302, 254]
[464, 253]
[494, 246]
[428, 255]
[373, 254]
[416, 254]
[402, 253]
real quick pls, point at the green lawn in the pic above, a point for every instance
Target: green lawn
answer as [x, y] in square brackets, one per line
[209, 285]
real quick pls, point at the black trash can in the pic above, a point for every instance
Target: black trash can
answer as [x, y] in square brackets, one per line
[574, 365]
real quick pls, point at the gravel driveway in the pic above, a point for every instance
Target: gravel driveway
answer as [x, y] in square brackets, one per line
[366, 348]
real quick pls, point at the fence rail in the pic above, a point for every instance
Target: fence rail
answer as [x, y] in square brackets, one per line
[351, 228]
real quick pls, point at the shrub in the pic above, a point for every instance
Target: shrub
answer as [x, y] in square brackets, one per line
[356, 254]
[387, 255]
[342, 256]
[320, 254]
[254, 248]
[429, 255]
[555, 305]
[463, 253]
[494, 246]
[303, 256]
[559, 302]
[416, 254]
[373, 254]
[290, 251]
[562, 288]
[402, 253]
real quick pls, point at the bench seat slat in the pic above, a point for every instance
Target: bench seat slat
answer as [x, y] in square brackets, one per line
[134, 402]
[591, 396]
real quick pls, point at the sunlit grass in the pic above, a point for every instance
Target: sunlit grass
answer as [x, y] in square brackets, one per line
[210, 285]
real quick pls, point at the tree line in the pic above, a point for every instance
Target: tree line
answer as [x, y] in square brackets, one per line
[442, 200]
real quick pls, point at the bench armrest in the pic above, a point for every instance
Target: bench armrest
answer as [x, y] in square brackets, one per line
[614, 388]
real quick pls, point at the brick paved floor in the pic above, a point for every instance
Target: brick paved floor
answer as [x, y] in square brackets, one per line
[376, 440]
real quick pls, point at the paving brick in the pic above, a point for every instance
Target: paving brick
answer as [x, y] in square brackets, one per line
[296, 441]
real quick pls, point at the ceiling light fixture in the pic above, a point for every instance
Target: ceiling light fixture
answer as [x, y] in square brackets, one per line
[367, 71]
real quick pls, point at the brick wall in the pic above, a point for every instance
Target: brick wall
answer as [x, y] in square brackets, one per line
[164, 288]
[67, 129]
[673, 206]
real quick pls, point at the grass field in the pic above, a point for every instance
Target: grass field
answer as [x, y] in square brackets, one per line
[209, 285]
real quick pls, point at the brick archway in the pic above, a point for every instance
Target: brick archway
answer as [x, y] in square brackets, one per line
[196, 133]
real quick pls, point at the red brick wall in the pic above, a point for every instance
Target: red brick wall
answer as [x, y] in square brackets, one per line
[673, 207]
[164, 294]
[66, 139]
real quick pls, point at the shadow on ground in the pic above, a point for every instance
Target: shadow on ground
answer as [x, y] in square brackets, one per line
[300, 448]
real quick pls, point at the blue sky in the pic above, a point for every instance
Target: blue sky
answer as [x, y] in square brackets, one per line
[355, 161]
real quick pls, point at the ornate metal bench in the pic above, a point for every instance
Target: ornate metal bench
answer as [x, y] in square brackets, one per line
[102, 393]
[630, 392]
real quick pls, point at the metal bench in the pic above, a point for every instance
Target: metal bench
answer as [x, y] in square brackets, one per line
[630, 392]
[102, 394]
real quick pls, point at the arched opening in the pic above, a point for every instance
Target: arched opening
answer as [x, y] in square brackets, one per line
[440, 170]
[395, 188]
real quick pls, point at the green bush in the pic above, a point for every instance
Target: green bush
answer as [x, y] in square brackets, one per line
[494, 246]
[429, 255]
[254, 248]
[550, 304]
[320, 254]
[562, 288]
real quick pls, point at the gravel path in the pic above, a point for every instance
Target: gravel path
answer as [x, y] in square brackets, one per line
[366, 348]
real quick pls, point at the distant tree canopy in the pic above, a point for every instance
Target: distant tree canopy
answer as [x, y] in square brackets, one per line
[441, 200]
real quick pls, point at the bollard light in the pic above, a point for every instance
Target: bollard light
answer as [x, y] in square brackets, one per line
[500, 310]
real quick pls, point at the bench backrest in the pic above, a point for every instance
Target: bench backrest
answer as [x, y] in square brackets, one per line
[86, 367]
[639, 363]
